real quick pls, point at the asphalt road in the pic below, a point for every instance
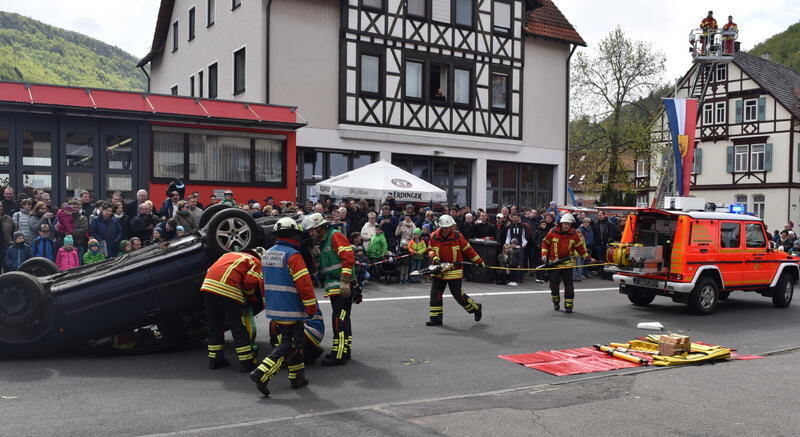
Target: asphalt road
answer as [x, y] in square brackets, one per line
[409, 379]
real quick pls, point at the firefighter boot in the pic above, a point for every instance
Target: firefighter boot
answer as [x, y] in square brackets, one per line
[568, 304]
[556, 302]
[332, 360]
[436, 313]
[246, 359]
[216, 357]
[297, 376]
[246, 366]
[478, 313]
[312, 355]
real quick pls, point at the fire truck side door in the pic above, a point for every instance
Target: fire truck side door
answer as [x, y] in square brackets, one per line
[753, 271]
[731, 258]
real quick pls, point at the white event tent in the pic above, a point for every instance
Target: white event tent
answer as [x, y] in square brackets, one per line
[378, 181]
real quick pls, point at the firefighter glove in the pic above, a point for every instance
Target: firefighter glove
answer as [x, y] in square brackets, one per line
[344, 287]
[436, 260]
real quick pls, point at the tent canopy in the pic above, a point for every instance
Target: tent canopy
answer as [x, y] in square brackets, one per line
[378, 181]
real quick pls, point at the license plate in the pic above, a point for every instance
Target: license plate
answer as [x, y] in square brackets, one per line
[647, 282]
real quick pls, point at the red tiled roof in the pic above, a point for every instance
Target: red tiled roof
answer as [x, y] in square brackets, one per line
[149, 105]
[547, 21]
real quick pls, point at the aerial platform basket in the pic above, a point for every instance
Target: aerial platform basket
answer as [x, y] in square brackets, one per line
[720, 45]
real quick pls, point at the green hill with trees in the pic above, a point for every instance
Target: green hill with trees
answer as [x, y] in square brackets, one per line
[32, 51]
[784, 47]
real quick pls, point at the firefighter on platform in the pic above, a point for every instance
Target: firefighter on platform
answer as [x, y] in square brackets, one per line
[729, 31]
[290, 300]
[336, 261]
[447, 245]
[709, 28]
[232, 284]
[563, 241]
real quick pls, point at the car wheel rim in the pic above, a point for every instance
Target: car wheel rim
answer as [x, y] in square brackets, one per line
[707, 296]
[13, 301]
[788, 291]
[233, 234]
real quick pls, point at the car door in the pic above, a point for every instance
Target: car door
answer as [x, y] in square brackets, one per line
[731, 259]
[759, 267]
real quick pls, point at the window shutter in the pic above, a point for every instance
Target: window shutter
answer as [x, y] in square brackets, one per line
[698, 161]
[739, 111]
[768, 157]
[762, 108]
[730, 159]
[441, 10]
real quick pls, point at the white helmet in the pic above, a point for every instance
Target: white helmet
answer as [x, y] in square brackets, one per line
[567, 218]
[285, 224]
[314, 220]
[258, 252]
[446, 221]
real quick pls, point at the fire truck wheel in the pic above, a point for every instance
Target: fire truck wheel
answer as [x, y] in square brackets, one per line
[724, 295]
[704, 298]
[640, 297]
[783, 292]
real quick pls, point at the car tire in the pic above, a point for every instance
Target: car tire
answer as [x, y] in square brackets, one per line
[724, 295]
[232, 230]
[209, 212]
[640, 297]
[783, 292]
[21, 299]
[39, 267]
[703, 300]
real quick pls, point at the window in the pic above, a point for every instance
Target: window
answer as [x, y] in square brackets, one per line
[175, 37]
[464, 12]
[191, 85]
[502, 17]
[451, 175]
[721, 112]
[754, 235]
[729, 235]
[757, 157]
[751, 110]
[191, 23]
[120, 152]
[212, 12]
[740, 159]
[80, 150]
[758, 205]
[414, 79]
[708, 113]
[440, 10]
[462, 86]
[174, 90]
[235, 4]
[642, 201]
[315, 165]
[239, 67]
[200, 84]
[374, 4]
[438, 81]
[642, 170]
[499, 91]
[416, 8]
[604, 178]
[168, 155]
[741, 199]
[5, 150]
[722, 72]
[370, 74]
[212, 81]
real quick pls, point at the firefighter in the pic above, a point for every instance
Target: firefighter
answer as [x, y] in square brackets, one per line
[563, 241]
[315, 332]
[289, 298]
[447, 245]
[231, 284]
[336, 261]
[709, 27]
[728, 38]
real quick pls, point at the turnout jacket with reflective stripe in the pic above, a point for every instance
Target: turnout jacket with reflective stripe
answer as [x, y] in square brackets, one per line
[289, 292]
[235, 275]
[557, 244]
[451, 250]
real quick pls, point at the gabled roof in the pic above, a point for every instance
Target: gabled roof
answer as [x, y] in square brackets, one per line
[778, 80]
[548, 22]
[22, 96]
[162, 29]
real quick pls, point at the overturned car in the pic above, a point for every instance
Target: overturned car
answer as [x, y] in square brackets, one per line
[44, 310]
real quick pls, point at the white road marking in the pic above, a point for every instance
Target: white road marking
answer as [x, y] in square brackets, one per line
[497, 293]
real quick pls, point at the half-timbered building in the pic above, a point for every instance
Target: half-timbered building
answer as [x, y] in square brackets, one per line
[747, 138]
[471, 95]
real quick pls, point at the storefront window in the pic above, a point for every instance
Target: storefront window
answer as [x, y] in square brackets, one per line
[119, 152]
[269, 161]
[37, 148]
[451, 175]
[213, 158]
[32, 180]
[80, 150]
[5, 156]
[313, 165]
[77, 182]
[120, 182]
[338, 164]
[5, 179]
[319, 165]
[523, 185]
[168, 155]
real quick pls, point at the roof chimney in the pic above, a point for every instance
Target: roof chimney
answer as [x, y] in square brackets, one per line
[767, 56]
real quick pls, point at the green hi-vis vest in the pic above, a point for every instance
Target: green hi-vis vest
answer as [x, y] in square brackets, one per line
[329, 262]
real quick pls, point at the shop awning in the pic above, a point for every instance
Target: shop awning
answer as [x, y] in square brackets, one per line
[380, 180]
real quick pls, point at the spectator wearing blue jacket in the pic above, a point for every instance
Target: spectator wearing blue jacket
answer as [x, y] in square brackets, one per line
[17, 253]
[588, 238]
[106, 230]
[43, 245]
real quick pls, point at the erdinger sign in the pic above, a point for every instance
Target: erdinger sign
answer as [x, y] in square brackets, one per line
[405, 195]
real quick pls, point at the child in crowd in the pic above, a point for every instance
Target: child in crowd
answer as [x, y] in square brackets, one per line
[94, 254]
[180, 231]
[17, 253]
[156, 236]
[136, 244]
[362, 263]
[503, 259]
[378, 247]
[514, 262]
[67, 257]
[417, 249]
[65, 223]
[356, 240]
[44, 246]
[403, 262]
[426, 233]
[125, 247]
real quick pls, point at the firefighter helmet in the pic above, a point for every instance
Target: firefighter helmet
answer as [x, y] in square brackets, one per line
[314, 220]
[446, 221]
[285, 224]
[257, 252]
[567, 218]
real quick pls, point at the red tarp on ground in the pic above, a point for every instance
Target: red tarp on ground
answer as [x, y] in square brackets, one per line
[570, 361]
[745, 357]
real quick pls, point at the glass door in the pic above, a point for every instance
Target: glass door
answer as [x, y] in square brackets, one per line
[37, 149]
[80, 161]
[118, 169]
